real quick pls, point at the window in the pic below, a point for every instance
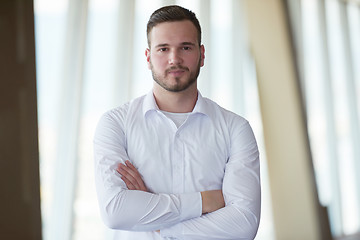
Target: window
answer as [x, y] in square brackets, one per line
[328, 50]
[90, 58]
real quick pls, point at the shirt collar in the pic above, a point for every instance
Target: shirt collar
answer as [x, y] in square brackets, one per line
[202, 106]
[149, 103]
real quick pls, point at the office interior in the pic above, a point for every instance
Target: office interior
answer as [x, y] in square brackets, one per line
[291, 67]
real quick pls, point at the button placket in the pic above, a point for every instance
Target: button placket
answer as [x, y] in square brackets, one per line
[178, 163]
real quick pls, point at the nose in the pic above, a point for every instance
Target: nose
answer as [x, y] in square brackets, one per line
[174, 58]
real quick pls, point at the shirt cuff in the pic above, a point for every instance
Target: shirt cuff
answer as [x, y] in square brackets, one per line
[191, 207]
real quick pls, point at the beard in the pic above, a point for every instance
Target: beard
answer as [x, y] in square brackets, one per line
[179, 85]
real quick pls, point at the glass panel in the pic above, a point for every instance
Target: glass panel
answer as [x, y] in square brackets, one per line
[330, 76]
[99, 78]
[101, 90]
[341, 75]
[50, 23]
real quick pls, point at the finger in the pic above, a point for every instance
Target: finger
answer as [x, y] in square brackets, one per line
[135, 178]
[130, 182]
[125, 173]
[129, 170]
[134, 173]
[130, 165]
[129, 185]
[118, 167]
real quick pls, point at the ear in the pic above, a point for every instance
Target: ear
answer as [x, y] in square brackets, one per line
[202, 55]
[147, 54]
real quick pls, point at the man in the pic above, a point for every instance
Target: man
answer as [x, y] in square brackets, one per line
[173, 164]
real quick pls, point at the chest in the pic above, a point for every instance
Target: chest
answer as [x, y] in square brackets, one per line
[191, 158]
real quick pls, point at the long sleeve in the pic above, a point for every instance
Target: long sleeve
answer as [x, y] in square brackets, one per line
[239, 219]
[132, 210]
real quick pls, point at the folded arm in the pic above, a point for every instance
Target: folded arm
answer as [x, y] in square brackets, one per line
[130, 210]
[211, 200]
[240, 218]
[241, 187]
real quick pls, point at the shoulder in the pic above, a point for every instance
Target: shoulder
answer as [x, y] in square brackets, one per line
[221, 114]
[117, 116]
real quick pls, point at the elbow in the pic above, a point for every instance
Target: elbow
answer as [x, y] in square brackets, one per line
[247, 226]
[247, 231]
[109, 222]
[114, 216]
[115, 221]
[252, 231]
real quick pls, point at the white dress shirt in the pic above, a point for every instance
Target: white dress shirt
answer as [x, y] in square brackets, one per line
[213, 149]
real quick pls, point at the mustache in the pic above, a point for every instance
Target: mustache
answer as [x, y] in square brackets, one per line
[174, 68]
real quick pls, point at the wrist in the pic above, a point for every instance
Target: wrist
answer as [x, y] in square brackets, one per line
[212, 200]
[204, 202]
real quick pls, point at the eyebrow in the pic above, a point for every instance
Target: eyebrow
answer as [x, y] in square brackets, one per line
[182, 44]
[188, 43]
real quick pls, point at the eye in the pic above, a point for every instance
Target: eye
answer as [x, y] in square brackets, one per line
[186, 48]
[162, 49]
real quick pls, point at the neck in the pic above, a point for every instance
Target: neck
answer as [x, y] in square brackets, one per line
[176, 102]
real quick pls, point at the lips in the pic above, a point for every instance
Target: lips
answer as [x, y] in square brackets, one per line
[177, 71]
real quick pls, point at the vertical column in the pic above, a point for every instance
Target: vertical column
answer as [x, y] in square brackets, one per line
[238, 56]
[125, 51]
[335, 208]
[205, 79]
[292, 184]
[20, 215]
[352, 100]
[61, 221]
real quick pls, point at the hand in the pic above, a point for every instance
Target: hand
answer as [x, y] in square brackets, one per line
[212, 201]
[131, 176]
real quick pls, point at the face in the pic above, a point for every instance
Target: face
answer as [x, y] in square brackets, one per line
[175, 56]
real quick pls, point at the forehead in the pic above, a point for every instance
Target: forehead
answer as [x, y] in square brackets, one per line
[173, 33]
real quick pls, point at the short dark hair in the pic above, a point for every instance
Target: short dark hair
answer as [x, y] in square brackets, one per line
[172, 13]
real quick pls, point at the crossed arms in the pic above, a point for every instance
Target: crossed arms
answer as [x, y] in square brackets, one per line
[211, 200]
[125, 204]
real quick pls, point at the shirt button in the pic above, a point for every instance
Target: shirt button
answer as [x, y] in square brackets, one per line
[177, 135]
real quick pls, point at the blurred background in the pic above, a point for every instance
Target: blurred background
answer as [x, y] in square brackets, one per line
[292, 68]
